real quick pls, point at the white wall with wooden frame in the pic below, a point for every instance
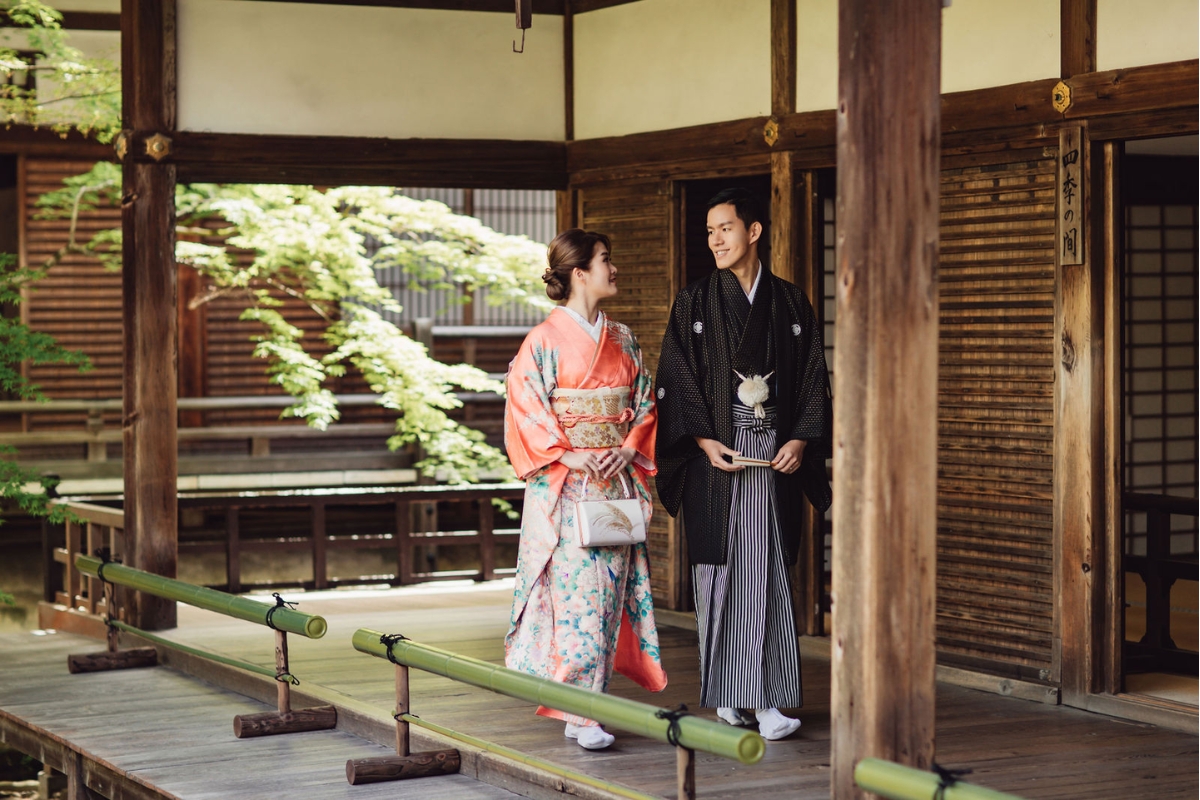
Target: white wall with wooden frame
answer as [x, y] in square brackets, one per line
[323, 70]
[1139, 33]
[660, 64]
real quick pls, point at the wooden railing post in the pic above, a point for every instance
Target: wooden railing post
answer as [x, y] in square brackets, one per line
[233, 551]
[73, 580]
[97, 450]
[283, 676]
[685, 773]
[487, 542]
[1158, 584]
[403, 542]
[319, 542]
[402, 708]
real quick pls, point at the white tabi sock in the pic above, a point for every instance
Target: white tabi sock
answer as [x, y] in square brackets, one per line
[773, 725]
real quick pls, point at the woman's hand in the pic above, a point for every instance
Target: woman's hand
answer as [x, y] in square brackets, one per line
[591, 462]
[618, 458]
[716, 453]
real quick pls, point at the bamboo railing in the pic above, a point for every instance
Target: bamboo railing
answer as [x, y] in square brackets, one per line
[897, 782]
[685, 732]
[280, 617]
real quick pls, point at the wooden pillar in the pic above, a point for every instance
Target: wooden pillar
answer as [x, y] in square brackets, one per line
[885, 402]
[785, 222]
[148, 279]
[193, 344]
[1077, 36]
[1078, 508]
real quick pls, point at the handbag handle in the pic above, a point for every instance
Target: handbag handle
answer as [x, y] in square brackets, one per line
[625, 484]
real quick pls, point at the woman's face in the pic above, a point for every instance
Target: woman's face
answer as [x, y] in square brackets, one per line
[600, 280]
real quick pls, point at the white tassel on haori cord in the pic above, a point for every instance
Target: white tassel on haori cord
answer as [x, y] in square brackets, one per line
[754, 391]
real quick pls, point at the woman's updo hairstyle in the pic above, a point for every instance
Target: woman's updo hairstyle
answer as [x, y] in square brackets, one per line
[572, 249]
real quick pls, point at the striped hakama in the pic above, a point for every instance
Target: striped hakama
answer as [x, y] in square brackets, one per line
[749, 657]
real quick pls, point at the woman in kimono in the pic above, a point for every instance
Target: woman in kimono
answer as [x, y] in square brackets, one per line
[580, 424]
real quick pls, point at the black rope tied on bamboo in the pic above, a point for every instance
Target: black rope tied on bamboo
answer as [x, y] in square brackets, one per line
[672, 716]
[287, 677]
[105, 556]
[946, 779]
[389, 640]
[279, 603]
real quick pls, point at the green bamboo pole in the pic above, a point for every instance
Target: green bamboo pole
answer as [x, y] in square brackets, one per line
[284, 619]
[897, 782]
[694, 733]
[532, 761]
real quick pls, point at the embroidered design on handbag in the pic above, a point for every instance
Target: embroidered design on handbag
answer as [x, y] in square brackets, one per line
[609, 523]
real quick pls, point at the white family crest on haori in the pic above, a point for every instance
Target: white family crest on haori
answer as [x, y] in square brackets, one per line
[661, 393]
[698, 327]
[753, 391]
[796, 329]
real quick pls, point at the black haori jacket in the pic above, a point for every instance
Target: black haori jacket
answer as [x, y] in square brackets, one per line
[713, 330]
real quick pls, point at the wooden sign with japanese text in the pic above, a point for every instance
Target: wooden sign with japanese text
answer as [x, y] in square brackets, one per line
[1070, 196]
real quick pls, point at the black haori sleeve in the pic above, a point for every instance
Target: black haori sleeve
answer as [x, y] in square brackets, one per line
[683, 411]
[812, 409]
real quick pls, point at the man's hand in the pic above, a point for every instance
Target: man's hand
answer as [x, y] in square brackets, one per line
[788, 459]
[716, 453]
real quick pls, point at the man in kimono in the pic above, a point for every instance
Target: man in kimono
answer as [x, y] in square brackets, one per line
[742, 379]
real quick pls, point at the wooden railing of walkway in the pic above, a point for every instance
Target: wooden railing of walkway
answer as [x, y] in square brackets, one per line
[685, 732]
[94, 526]
[1160, 569]
[280, 617]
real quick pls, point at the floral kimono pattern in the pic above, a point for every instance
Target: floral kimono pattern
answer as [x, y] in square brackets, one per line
[579, 612]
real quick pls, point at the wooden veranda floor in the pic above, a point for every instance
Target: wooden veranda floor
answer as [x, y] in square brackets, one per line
[1027, 748]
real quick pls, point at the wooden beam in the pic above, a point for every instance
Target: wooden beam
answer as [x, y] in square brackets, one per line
[344, 160]
[79, 21]
[1161, 97]
[44, 142]
[885, 405]
[148, 279]
[568, 34]
[783, 57]
[1077, 36]
[809, 587]
[785, 223]
[1078, 510]
[496, 6]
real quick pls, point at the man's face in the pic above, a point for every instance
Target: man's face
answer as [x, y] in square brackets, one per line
[728, 237]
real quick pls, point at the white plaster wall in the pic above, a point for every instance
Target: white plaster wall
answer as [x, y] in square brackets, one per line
[998, 42]
[95, 6]
[816, 54]
[661, 64]
[1131, 33]
[299, 68]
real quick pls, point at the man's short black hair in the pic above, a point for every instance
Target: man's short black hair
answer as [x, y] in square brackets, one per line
[743, 201]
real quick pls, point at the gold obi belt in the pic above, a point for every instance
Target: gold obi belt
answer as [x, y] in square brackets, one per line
[593, 418]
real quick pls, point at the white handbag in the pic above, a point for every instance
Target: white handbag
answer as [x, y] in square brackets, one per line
[608, 523]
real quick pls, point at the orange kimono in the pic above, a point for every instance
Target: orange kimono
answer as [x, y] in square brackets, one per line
[579, 612]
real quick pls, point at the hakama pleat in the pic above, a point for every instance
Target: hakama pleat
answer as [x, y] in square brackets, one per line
[749, 656]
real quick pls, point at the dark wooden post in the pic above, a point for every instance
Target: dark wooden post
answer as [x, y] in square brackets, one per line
[148, 280]
[487, 540]
[885, 412]
[320, 544]
[1077, 29]
[1078, 508]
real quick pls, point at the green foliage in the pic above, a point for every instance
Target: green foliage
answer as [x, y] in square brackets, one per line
[71, 90]
[324, 247]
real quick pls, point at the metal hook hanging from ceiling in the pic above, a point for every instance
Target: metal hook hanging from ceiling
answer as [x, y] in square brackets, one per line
[524, 21]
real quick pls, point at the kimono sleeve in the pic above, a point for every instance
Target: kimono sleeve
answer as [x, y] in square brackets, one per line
[643, 429]
[533, 437]
[683, 412]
